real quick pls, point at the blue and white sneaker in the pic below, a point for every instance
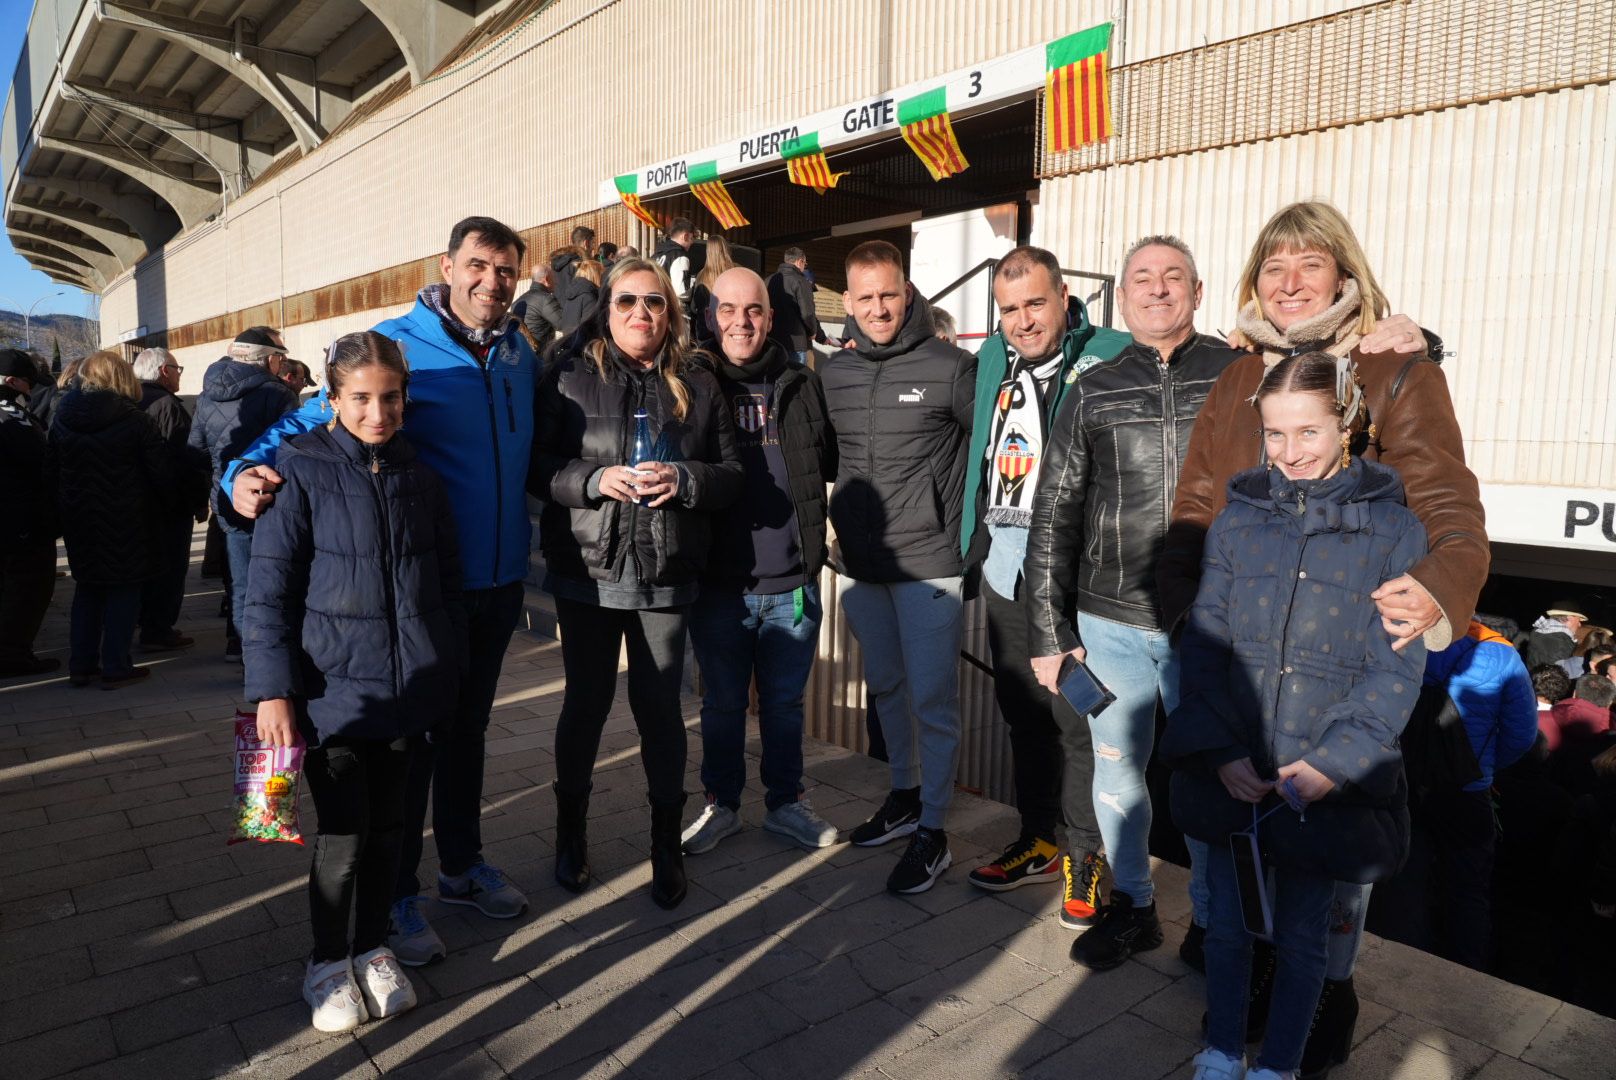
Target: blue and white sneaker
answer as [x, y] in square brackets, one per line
[410, 936]
[483, 887]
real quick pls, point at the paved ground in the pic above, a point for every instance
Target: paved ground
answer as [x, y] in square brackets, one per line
[134, 943]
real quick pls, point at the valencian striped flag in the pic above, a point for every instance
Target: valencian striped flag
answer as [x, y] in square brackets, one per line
[927, 130]
[1077, 85]
[628, 190]
[806, 163]
[706, 186]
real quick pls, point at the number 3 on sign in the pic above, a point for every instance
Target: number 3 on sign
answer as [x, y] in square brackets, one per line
[976, 84]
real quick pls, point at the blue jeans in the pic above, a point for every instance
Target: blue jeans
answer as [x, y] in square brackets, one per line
[1136, 665]
[1347, 909]
[909, 633]
[102, 628]
[238, 549]
[737, 635]
[1301, 906]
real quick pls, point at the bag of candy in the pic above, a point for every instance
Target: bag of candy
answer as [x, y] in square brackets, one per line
[266, 787]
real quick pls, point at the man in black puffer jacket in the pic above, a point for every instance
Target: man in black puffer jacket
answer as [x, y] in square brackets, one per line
[758, 614]
[28, 533]
[159, 375]
[901, 403]
[242, 395]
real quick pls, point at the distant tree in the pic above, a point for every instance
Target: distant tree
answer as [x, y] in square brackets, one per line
[56, 355]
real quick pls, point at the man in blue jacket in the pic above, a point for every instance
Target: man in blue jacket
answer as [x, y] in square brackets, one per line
[470, 417]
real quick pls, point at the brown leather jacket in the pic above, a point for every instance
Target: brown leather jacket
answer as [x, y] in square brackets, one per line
[1416, 434]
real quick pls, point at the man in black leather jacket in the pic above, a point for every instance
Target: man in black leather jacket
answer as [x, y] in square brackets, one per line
[1099, 517]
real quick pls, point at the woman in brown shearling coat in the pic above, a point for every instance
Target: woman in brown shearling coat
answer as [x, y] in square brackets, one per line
[1307, 285]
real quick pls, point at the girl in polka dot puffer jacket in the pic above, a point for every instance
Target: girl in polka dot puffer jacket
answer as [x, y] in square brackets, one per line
[1292, 699]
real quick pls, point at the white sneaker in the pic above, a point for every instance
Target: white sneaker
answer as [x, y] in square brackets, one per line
[332, 993]
[387, 990]
[1213, 1064]
[713, 824]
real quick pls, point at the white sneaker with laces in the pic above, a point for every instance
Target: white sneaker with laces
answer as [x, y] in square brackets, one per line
[713, 824]
[798, 821]
[386, 989]
[331, 992]
[1213, 1064]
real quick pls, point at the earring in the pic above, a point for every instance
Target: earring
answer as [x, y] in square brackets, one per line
[1346, 450]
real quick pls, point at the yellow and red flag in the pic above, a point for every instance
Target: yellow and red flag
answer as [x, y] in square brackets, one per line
[1077, 89]
[706, 186]
[930, 134]
[806, 163]
[628, 190]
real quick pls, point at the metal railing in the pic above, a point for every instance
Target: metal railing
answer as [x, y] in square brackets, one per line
[1108, 288]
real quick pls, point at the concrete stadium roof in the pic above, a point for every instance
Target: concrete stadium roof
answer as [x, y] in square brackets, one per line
[158, 111]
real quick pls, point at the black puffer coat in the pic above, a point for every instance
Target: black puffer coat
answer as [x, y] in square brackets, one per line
[808, 447]
[902, 413]
[579, 298]
[173, 422]
[1284, 659]
[353, 604]
[114, 481]
[583, 423]
[30, 506]
[238, 403]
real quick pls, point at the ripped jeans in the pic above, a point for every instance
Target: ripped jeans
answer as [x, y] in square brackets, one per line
[1136, 665]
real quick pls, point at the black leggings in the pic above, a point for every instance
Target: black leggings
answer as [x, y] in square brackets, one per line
[358, 789]
[591, 640]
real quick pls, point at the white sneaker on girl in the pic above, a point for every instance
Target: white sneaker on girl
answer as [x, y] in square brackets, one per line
[387, 990]
[331, 992]
[1213, 1064]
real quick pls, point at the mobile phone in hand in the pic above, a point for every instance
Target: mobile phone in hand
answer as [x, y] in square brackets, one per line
[1086, 694]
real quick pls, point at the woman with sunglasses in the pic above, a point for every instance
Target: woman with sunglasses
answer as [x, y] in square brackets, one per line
[624, 545]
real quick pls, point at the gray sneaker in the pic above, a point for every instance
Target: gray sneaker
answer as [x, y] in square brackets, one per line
[483, 887]
[410, 936]
[798, 821]
[713, 824]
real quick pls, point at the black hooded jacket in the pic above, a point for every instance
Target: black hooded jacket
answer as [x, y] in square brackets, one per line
[238, 403]
[902, 415]
[30, 515]
[114, 480]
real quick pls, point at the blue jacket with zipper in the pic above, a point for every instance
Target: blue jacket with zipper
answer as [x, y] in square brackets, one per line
[470, 420]
[353, 605]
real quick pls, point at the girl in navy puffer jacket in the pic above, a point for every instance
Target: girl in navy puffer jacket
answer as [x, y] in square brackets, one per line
[1291, 694]
[352, 631]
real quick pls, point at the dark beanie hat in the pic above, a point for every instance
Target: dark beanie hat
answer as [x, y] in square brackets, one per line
[256, 336]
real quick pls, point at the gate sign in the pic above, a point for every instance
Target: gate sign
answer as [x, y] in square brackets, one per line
[1560, 517]
[1003, 78]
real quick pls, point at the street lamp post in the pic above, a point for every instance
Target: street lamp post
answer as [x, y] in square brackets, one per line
[27, 320]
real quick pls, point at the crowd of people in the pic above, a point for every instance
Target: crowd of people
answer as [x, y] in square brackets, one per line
[1275, 541]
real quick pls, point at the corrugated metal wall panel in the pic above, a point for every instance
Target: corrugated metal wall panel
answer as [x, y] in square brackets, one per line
[1491, 224]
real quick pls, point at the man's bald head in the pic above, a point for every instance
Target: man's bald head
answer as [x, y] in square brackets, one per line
[740, 314]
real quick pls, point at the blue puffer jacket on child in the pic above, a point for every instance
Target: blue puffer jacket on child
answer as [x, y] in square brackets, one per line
[353, 603]
[1284, 659]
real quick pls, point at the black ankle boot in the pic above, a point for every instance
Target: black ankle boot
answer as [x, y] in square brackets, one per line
[667, 856]
[1329, 1040]
[572, 842]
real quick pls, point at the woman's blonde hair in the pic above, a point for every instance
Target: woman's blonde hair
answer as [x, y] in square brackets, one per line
[70, 371]
[675, 352]
[589, 270]
[106, 370]
[1316, 226]
[719, 259]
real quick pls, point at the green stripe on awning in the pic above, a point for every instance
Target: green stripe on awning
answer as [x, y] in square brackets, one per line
[923, 106]
[628, 184]
[801, 146]
[705, 173]
[1079, 46]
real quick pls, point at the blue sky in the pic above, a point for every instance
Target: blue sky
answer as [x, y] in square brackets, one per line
[20, 284]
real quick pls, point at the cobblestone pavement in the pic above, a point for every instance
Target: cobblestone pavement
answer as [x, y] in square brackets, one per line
[134, 943]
